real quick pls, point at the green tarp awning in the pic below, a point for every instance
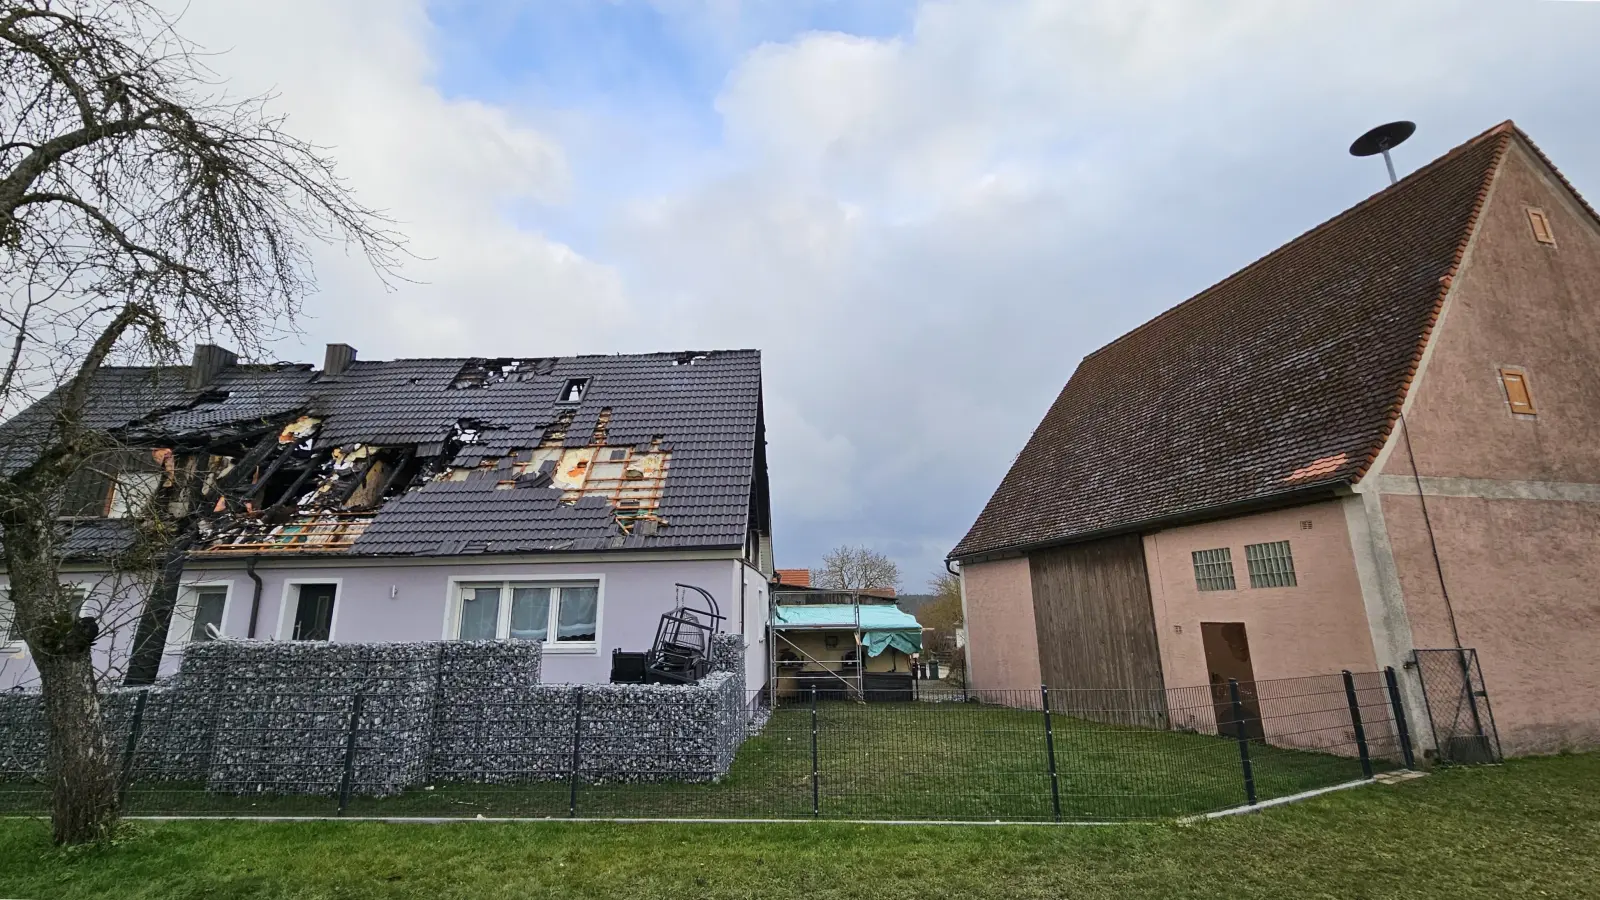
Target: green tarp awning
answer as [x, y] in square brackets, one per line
[883, 627]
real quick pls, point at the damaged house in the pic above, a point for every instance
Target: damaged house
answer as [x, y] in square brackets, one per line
[550, 499]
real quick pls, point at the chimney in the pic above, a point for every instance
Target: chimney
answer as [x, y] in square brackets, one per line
[337, 359]
[209, 361]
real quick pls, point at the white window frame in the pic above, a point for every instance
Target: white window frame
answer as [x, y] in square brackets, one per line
[19, 645]
[183, 612]
[452, 607]
[7, 645]
[291, 588]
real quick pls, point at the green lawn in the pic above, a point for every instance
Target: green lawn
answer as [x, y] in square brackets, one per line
[1525, 829]
[911, 761]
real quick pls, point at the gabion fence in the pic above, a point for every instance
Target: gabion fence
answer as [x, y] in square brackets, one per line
[715, 750]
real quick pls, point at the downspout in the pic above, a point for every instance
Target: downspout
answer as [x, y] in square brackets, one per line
[255, 597]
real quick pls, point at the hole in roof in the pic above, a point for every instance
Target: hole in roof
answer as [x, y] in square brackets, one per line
[688, 359]
[573, 390]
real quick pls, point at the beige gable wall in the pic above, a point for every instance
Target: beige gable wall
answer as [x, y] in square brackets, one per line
[1314, 628]
[1514, 501]
[1002, 640]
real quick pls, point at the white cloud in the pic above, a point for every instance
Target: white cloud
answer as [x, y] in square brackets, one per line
[924, 233]
[461, 178]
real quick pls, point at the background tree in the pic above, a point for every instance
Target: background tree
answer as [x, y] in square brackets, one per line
[140, 212]
[856, 569]
[943, 612]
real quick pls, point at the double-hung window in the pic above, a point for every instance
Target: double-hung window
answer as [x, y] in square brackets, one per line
[565, 615]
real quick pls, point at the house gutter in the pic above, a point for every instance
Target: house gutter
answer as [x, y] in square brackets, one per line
[255, 596]
[1325, 490]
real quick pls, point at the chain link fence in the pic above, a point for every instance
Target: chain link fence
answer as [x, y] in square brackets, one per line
[1458, 706]
[1043, 756]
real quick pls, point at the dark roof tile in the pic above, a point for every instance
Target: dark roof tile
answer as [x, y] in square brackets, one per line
[1285, 376]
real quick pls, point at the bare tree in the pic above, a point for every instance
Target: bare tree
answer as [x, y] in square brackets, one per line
[141, 211]
[856, 569]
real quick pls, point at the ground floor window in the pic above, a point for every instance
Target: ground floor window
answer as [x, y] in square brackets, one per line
[198, 614]
[313, 612]
[9, 632]
[565, 614]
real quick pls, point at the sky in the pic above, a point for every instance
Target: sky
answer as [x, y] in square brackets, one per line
[924, 214]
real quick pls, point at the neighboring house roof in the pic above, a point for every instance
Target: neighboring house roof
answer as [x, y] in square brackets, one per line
[794, 577]
[480, 420]
[1285, 377]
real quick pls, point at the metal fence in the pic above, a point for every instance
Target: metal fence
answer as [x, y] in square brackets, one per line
[1044, 755]
[1458, 706]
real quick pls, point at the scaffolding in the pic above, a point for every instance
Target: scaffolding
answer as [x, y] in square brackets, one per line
[850, 631]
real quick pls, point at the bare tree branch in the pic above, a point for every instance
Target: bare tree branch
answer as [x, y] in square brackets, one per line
[158, 214]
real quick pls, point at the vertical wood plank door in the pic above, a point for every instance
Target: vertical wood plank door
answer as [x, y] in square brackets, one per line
[1097, 631]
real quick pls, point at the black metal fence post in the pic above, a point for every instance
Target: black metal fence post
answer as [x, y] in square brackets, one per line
[577, 753]
[1355, 722]
[1244, 742]
[816, 774]
[350, 752]
[128, 751]
[1401, 729]
[1050, 750]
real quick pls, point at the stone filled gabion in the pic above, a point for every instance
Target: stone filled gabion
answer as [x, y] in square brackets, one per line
[275, 717]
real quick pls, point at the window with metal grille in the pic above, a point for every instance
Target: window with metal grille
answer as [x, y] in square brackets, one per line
[1270, 565]
[1213, 569]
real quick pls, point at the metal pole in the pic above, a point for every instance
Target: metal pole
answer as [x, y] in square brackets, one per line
[1050, 750]
[577, 750]
[1355, 722]
[1244, 742]
[133, 744]
[816, 774]
[1390, 164]
[1402, 731]
[350, 752]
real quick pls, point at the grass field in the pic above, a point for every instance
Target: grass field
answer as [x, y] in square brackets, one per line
[912, 761]
[1525, 829]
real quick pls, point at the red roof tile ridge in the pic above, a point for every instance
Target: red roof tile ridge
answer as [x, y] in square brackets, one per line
[1504, 131]
[1393, 190]
[1554, 171]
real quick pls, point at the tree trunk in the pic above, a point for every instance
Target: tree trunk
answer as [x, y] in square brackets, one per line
[83, 778]
[84, 798]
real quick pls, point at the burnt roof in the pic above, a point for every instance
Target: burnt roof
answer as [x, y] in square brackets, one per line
[703, 406]
[1282, 379]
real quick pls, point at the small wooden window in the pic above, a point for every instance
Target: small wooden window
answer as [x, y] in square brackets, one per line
[1541, 226]
[1517, 392]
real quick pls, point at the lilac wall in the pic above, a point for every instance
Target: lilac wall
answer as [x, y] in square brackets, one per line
[409, 602]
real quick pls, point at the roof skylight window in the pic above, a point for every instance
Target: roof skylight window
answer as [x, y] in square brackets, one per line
[574, 390]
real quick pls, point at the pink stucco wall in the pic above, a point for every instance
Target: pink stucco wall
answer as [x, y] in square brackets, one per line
[1002, 642]
[1317, 627]
[1521, 573]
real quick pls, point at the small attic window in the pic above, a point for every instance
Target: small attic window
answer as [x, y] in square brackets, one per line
[1541, 226]
[1517, 392]
[574, 390]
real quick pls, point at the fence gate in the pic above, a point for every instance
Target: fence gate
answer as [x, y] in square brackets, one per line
[1458, 706]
